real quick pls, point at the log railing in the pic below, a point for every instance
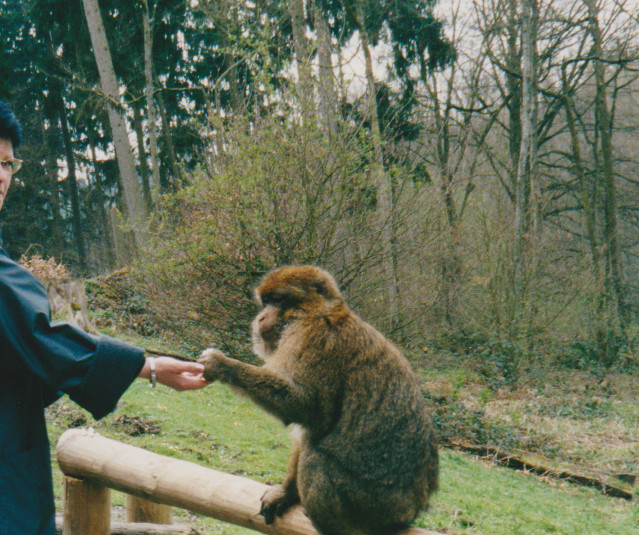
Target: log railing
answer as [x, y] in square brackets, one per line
[94, 464]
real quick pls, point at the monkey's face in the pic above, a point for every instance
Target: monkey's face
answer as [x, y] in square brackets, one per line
[288, 295]
[267, 330]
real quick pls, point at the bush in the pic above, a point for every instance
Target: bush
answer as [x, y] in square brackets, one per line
[499, 362]
[279, 195]
[595, 355]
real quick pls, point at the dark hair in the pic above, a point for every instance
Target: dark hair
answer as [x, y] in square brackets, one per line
[10, 127]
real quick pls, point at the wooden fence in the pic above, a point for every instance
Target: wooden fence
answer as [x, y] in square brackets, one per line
[94, 464]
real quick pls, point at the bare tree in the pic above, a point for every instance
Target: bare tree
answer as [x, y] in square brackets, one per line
[527, 160]
[381, 177]
[455, 104]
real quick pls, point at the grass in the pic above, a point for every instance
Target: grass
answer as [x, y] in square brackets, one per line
[213, 428]
[218, 429]
[479, 498]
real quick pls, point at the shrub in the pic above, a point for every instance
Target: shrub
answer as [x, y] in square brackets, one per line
[278, 195]
[499, 361]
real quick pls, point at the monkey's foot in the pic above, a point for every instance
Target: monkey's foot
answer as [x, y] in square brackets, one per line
[276, 501]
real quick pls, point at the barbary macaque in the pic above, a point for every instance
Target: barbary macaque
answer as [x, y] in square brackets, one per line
[364, 458]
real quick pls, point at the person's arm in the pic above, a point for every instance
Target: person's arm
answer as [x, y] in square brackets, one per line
[93, 370]
[178, 374]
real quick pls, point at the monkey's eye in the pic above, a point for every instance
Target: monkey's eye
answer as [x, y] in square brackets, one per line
[279, 300]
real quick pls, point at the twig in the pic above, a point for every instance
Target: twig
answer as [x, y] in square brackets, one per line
[169, 354]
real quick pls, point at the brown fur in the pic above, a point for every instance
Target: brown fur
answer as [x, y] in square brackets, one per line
[365, 460]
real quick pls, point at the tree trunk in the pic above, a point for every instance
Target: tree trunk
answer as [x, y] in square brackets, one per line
[110, 255]
[590, 217]
[302, 56]
[136, 209]
[450, 261]
[382, 181]
[526, 164]
[170, 147]
[144, 172]
[54, 187]
[72, 185]
[614, 286]
[326, 89]
[590, 226]
[513, 84]
[150, 103]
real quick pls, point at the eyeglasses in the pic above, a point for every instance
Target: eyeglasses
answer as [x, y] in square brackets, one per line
[11, 167]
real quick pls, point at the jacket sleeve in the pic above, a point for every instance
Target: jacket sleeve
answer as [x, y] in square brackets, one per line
[93, 370]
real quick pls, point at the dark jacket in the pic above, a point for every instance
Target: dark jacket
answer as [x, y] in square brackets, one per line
[39, 361]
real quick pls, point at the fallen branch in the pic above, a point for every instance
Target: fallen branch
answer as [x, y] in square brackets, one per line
[538, 464]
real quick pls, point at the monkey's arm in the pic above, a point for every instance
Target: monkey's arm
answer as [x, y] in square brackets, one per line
[270, 390]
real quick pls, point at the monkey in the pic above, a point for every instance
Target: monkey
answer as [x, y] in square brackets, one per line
[364, 459]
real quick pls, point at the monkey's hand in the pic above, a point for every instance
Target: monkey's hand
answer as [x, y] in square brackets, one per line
[213, 361]
[276, 501]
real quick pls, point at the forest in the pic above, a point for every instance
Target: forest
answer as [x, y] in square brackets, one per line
[466, 169]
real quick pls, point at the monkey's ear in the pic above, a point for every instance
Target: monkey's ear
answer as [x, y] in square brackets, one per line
[325, 286]
[321, 287]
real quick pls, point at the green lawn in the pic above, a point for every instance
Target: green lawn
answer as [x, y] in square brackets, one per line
[221, 430]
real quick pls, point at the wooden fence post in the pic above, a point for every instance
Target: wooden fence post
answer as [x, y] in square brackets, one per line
[87, 508]
[175, 482]
[141, 510]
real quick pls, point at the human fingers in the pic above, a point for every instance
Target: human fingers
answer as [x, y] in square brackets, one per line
[189, 381]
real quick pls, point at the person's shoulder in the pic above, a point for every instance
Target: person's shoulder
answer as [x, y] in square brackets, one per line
[11, 272]
[6, 262]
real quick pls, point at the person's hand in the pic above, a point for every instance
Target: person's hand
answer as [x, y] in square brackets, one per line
[178, 374]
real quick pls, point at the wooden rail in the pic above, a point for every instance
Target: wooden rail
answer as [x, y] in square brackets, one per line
[102, 464]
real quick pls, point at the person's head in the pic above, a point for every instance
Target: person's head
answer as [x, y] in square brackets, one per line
[10, 138]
